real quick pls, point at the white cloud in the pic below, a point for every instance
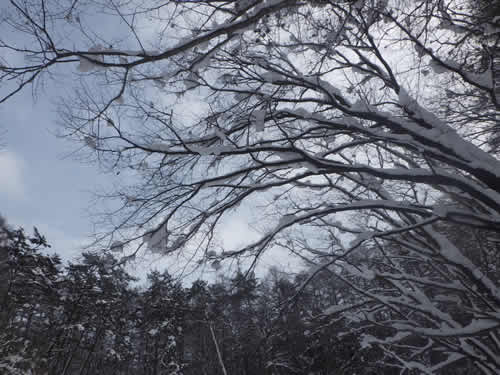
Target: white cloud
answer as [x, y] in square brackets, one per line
[11, 170]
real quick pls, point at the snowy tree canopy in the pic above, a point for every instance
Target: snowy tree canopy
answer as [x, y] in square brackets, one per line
[366, 131]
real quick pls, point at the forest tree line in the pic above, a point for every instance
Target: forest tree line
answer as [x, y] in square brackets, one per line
[91, 317]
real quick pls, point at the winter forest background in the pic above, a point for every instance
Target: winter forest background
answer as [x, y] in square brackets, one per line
[361, 137]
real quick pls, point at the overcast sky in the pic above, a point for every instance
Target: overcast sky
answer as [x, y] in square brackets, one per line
[43, 184]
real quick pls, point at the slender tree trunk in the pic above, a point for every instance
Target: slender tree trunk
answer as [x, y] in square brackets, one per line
[68, 362]
[219, 356]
